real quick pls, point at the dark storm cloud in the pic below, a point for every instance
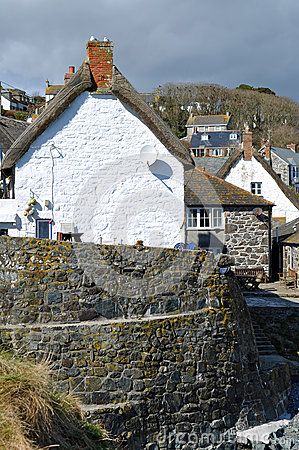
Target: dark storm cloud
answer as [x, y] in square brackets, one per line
[226, 42]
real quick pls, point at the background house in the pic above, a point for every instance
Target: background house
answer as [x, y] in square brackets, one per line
[100, 163]
[200, 124]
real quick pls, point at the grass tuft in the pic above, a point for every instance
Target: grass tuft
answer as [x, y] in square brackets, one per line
[34, 416]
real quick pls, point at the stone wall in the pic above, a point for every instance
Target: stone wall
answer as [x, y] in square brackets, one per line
[247, 237]
[156, 343]
[281, 168]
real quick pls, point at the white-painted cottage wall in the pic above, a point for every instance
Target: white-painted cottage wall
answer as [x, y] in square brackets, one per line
[87, 164]
[245, 172]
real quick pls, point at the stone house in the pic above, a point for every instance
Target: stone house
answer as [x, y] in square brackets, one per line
[290, 250]
[98, 164]
[284, 162]
[224, 218]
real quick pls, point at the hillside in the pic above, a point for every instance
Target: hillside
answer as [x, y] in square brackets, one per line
[265, 113]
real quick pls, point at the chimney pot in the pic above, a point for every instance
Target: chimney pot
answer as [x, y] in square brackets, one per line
[71, 69]
[292, 147]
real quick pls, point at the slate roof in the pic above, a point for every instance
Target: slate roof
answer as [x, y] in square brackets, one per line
[216, 119]
[287, 228]
[10, 129]
[287, 155]
[211, 164]
[216, 139]
[293, 239]
[82, 81]
[202, 188]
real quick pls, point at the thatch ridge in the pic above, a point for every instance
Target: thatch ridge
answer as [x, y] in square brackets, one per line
[79, 83]
[126, 93]
[122, 89]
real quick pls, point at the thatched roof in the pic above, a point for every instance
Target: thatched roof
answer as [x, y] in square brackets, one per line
[121, 88]
[10, 130]
[202, 188]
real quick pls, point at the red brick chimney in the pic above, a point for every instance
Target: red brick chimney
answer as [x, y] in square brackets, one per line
[267, 150]
[247, 144]
[100, 55]
[68, 75]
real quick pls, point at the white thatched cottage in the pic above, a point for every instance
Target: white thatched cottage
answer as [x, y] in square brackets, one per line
[98, 163]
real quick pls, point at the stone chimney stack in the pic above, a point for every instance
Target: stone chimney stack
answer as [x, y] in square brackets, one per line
[68, 75]
[100, 56]
[247, 144]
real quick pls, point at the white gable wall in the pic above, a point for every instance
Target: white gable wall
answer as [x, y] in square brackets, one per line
[245, 172]
[87, 164]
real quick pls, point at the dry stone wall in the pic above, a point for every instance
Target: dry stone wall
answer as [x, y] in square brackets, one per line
[170, 355]
[247, 238]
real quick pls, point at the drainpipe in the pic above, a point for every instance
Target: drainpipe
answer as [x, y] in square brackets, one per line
[270, 242]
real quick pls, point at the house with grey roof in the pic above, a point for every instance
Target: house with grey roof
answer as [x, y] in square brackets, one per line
[205, 123]
[214, 144]
[285, 162]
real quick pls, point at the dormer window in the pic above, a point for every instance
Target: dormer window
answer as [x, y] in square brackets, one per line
[204, 137]
[233, 136]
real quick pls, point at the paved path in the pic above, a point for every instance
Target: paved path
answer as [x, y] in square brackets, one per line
[263, 301]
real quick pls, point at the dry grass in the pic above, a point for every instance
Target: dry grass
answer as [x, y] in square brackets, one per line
[34, 416]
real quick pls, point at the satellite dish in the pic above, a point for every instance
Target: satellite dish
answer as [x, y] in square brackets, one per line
[148, 154]
[179, 246]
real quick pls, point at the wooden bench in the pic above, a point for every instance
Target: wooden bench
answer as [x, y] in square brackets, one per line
[289, 278]
[250, 278]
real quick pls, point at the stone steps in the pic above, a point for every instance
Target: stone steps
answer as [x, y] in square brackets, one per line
[263, 343]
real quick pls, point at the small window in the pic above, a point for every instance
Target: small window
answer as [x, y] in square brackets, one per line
[3, 232]
[43, 229]
[217, 217]
[217, 152]
[294, 173]
[256, 188]
[205, 137]
[233, 136]
[192, 218]
[198, 152]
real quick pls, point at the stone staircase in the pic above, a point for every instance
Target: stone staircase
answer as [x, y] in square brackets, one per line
[263, 343]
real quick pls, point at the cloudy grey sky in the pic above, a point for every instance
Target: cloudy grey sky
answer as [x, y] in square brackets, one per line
[219, 41]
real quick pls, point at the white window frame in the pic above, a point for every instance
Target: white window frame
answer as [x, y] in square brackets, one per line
[217, 152]
[197, 221]
[204, 137]
[294, 172]
[233, 137]
[256, 187]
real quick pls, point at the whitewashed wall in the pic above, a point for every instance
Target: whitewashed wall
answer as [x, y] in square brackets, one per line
[87, 164]
[245, 172]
